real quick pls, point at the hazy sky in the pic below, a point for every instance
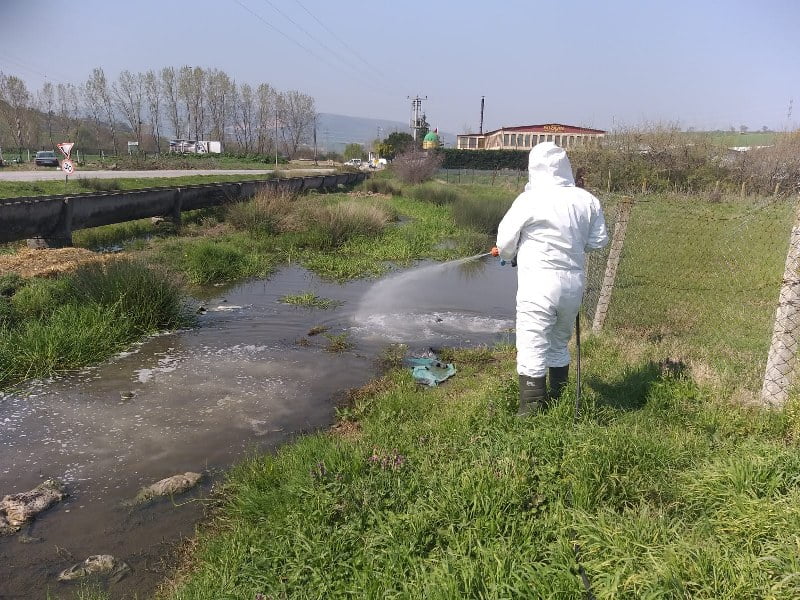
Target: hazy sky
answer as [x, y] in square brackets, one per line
[703, 63]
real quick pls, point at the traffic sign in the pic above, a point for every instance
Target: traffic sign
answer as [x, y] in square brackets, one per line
[67, 166]
[66, 148]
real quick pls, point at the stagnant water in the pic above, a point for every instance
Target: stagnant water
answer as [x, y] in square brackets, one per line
[201, 399]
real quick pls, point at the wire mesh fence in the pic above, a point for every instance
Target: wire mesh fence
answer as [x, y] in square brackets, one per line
[702, 279]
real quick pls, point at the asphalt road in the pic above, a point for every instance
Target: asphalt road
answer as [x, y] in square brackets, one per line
[54, 174]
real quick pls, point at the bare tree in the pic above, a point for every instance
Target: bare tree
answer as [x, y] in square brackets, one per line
[297, 114]
[153, 91]
[15, 104]
[191, 88]
[129, 95]
[169, 87]
[46, 101]
[99, 89]
[219, 87]
[244, 119]
[267, 113]
[68, 110]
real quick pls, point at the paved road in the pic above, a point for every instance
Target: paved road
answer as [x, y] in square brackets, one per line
[56, 174]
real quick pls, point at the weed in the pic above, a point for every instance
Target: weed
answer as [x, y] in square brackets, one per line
[382, 186]
[55, 325]
[338, 343]
[435, 193]
[333, 225]
[97, 184]
[317, 329]
[266, 214]
[310, 300]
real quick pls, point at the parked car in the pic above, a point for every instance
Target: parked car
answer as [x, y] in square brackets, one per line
[353, 162]
[46, 158]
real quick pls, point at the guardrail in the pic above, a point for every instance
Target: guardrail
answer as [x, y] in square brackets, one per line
[48, 221]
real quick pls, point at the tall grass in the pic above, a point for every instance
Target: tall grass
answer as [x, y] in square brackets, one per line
[333, 225]
[443, 494]
[267, 213]
[435, 193]
[382, 186]
[215, 260]
[481, 213]
[55, 325]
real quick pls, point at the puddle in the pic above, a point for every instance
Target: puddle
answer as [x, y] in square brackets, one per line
[201, 399]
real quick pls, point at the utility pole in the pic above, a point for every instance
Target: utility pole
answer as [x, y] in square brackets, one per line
[417, 116]
[276, 138]
[315, 141]
[481, 128]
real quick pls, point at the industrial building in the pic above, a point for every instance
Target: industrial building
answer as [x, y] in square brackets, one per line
[525, 137]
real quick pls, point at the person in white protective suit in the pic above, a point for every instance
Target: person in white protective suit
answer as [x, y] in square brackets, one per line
[547, 231]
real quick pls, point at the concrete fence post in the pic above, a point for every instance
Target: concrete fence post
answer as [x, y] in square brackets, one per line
[612, 264]
[782, 358]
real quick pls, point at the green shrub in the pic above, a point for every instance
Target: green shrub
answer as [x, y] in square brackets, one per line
[435, 193]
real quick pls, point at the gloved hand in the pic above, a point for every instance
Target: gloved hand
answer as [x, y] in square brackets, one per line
[495, 251]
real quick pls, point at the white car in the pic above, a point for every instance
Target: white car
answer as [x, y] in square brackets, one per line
[353, 162]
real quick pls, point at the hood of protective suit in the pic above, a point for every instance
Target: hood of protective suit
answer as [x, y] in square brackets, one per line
[548, 165]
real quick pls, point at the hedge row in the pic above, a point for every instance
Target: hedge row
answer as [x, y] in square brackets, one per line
[485, 160]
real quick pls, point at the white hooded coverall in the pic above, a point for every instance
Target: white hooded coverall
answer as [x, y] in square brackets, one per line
[549, 228]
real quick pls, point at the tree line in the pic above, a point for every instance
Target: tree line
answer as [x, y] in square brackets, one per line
[152, 106]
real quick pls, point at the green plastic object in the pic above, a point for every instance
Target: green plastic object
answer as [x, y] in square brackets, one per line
[431, 372]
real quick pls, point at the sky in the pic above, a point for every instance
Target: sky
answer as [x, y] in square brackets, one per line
[598, 63]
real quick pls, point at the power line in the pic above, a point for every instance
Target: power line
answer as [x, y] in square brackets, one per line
[340, 40]
[314, 38]
[297, 43]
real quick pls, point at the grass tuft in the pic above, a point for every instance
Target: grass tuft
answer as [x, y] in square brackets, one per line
[52, 325]
[310, 300]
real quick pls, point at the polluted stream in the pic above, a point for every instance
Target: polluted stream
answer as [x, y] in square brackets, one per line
[248, 378]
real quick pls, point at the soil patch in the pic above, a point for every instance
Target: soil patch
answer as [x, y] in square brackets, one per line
[30, 262]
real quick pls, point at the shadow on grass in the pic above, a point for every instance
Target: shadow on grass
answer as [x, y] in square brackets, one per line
[632, 390]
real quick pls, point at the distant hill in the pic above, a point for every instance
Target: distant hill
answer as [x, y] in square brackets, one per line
[334, 132]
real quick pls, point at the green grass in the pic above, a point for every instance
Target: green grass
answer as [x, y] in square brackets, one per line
[48, 326]
[443, 494]
[310, 300]
[704, 279]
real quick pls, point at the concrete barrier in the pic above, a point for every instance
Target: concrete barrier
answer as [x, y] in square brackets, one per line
[49, 221]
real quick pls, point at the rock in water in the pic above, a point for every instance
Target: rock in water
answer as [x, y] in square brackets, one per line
[177, 484]
[98, 564]
[18, 509]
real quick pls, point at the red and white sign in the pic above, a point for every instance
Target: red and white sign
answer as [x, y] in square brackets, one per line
[66, 148]
[67, 166]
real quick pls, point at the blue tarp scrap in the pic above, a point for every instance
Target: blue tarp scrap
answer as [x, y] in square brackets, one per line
[430, 371]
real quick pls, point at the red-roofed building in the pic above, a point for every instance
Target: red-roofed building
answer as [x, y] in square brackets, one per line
[526, 137]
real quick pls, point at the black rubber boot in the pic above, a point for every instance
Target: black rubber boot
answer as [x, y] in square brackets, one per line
[558, 381]
[532, 395]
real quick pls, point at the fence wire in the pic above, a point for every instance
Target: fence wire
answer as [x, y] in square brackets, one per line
[703, 277]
